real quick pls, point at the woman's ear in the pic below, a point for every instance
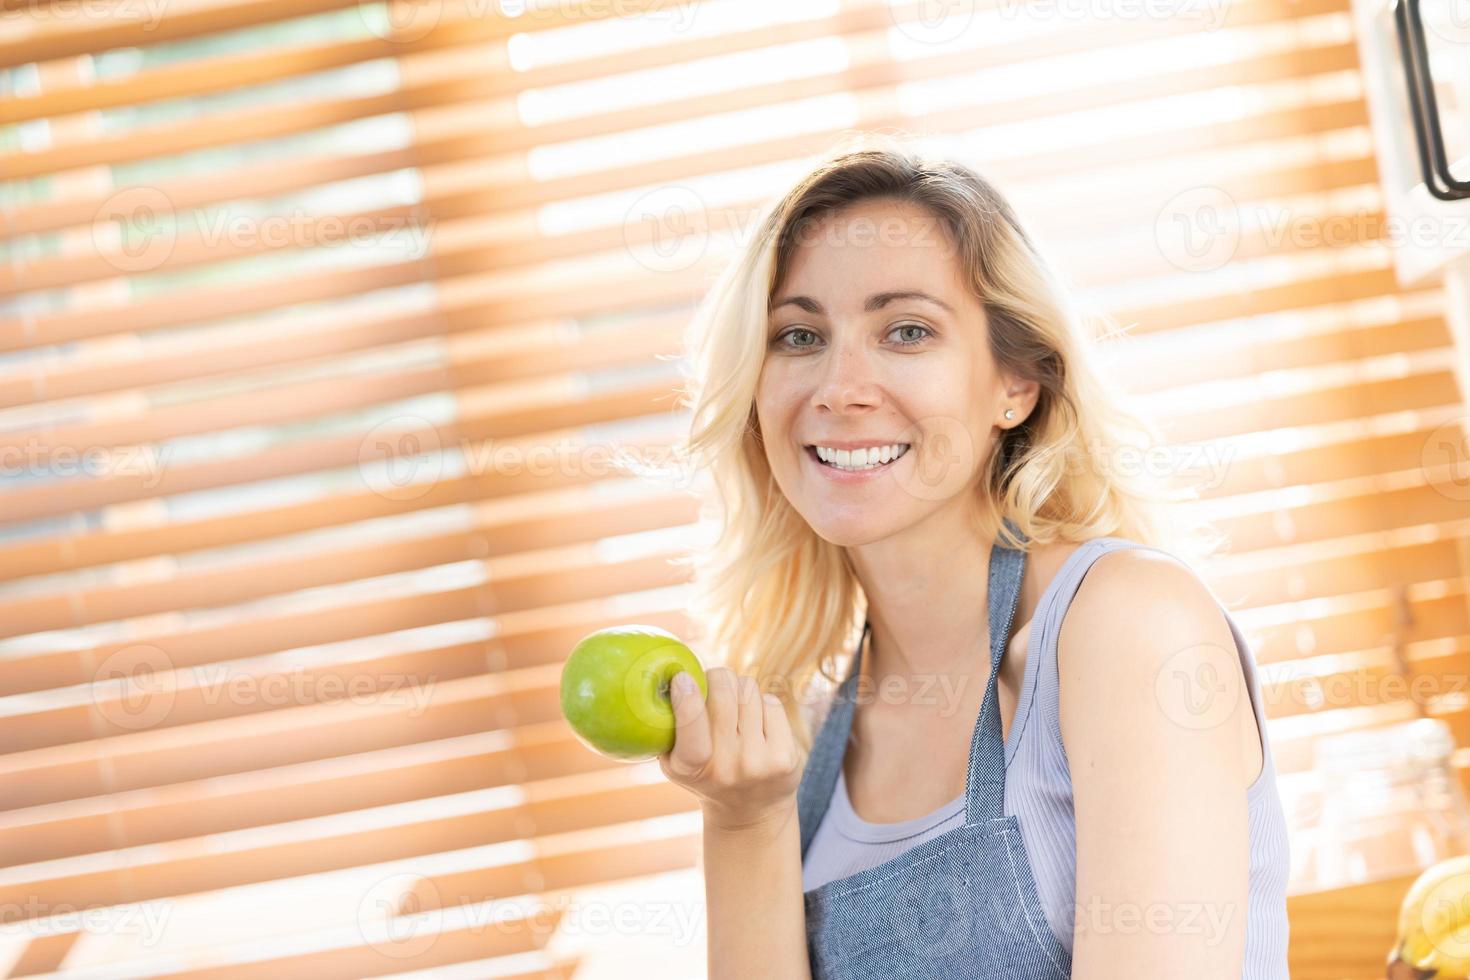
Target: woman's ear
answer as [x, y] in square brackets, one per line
[1021, 395]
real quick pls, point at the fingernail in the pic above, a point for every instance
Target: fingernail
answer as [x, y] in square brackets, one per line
[771, 699]
[684, 683]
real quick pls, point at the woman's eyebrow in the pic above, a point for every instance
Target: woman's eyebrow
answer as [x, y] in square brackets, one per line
[874, 302]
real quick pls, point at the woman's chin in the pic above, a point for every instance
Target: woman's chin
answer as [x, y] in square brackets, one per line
[849, 533]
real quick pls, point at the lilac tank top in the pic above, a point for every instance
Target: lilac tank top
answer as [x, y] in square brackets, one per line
[1039, 793]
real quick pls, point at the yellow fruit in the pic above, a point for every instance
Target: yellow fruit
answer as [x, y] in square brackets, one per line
[1434, 925]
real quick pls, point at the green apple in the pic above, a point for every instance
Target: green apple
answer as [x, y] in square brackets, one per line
[615, 690]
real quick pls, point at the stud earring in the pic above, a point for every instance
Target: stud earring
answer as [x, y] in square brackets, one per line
[1010, 413]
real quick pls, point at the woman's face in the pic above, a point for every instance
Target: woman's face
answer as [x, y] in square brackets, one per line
[861, 368]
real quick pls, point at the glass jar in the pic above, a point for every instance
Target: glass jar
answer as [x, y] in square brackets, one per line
[1391, 802]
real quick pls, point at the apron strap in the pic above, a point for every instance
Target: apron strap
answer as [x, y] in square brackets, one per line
[985, 784]
[985, 778]
[819, 779]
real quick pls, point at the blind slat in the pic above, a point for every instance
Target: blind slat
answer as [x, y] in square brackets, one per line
[267, 553]
[467, 111]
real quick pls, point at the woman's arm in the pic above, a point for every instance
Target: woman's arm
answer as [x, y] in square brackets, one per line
[1153, 704]
[756, 920]
[735, 752]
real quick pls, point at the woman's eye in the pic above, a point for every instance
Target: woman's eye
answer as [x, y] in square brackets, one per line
[790, 338]
[907, 335]
[908, 339]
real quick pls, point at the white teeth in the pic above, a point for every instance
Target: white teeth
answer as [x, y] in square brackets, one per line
[867, 458]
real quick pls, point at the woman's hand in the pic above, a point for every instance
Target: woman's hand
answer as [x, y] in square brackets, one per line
[735, 751]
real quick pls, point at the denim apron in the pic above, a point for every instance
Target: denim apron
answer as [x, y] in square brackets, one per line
[959, 906]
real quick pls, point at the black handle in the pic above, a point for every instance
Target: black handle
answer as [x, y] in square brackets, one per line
[1423, 106]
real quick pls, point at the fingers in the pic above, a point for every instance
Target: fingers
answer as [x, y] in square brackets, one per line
[751, 721]
[693, 740]
[775, 723]
[733, 749]
[723, 704]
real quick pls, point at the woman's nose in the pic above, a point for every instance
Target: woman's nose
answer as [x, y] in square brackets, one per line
[848, 382]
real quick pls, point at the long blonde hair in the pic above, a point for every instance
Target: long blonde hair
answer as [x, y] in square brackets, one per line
[778, 602]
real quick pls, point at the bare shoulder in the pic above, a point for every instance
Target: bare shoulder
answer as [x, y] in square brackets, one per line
[1144, 591]
[1147, 663]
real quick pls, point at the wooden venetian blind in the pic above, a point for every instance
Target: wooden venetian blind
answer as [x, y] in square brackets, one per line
[322, 321]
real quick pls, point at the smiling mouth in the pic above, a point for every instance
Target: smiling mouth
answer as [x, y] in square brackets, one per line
[858, 460]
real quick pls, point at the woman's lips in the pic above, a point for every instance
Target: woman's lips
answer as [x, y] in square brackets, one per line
[853, 476]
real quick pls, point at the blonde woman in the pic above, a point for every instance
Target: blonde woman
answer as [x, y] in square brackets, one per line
[1046, 755]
